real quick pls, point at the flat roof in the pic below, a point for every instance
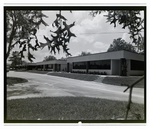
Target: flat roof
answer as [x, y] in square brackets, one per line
[52, 62]
[96, 56]
[107, 56]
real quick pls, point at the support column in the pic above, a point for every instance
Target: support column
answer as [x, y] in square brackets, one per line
[54, 67]
[43, 67]
[70, 67]
[123, 67]
[59, 67]
[87, 67]
[67, 67]
[128, 67]
[111, 66]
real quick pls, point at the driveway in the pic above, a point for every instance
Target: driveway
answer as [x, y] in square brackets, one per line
[43, 85]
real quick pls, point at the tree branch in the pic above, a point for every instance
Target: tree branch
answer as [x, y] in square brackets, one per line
[130, 95]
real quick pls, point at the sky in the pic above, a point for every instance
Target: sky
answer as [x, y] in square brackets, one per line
[94, 34]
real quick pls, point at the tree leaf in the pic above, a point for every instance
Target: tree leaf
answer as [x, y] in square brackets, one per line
[60, 16]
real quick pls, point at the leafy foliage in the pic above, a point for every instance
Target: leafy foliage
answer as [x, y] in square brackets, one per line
[22, 26]
[15, 80]
[63, 58]
[47, 58]
[128, 19]
[60, 37]
[84, 53]
[120, 44]
[15, 59]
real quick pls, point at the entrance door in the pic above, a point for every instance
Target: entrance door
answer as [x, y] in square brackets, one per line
[59, 67]
[87, 66]
[67, 67]
[55, 68]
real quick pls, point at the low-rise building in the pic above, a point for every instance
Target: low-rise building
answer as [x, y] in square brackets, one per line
[52, 65]
[113, 63]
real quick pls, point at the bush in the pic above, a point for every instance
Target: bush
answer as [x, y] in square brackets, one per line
[103, 73]
[15, 80]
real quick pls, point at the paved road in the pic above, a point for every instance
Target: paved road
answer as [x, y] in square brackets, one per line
[42, 85]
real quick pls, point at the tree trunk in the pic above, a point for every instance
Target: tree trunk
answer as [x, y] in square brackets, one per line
[130, 95]
[10, 42]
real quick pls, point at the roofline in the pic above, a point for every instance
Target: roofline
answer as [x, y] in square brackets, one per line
[51, 60]
[36, 63]
[102, 53]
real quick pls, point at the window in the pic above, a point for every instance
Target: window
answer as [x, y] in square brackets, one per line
[79, 65]
[102, 64]
[137, 65]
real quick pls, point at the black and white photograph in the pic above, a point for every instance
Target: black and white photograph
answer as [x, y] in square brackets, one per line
[75, 64]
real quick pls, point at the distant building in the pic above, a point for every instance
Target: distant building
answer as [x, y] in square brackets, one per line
[111, 63]
[52, 65]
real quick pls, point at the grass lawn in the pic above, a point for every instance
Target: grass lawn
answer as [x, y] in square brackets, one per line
[70, 108]
[78, 76]
[33, 71]
[15, 80]
[120, 81]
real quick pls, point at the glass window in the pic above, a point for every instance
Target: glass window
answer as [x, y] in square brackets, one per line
[137, 65]
[102, 64]
[79, 65]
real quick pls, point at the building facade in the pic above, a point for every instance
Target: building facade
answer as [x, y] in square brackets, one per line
[112, 63]
[123, 63]
[52, 65]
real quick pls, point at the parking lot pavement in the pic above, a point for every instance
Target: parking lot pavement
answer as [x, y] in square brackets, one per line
[42, 85]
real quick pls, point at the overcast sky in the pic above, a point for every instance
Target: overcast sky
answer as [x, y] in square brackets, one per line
[94, 34]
